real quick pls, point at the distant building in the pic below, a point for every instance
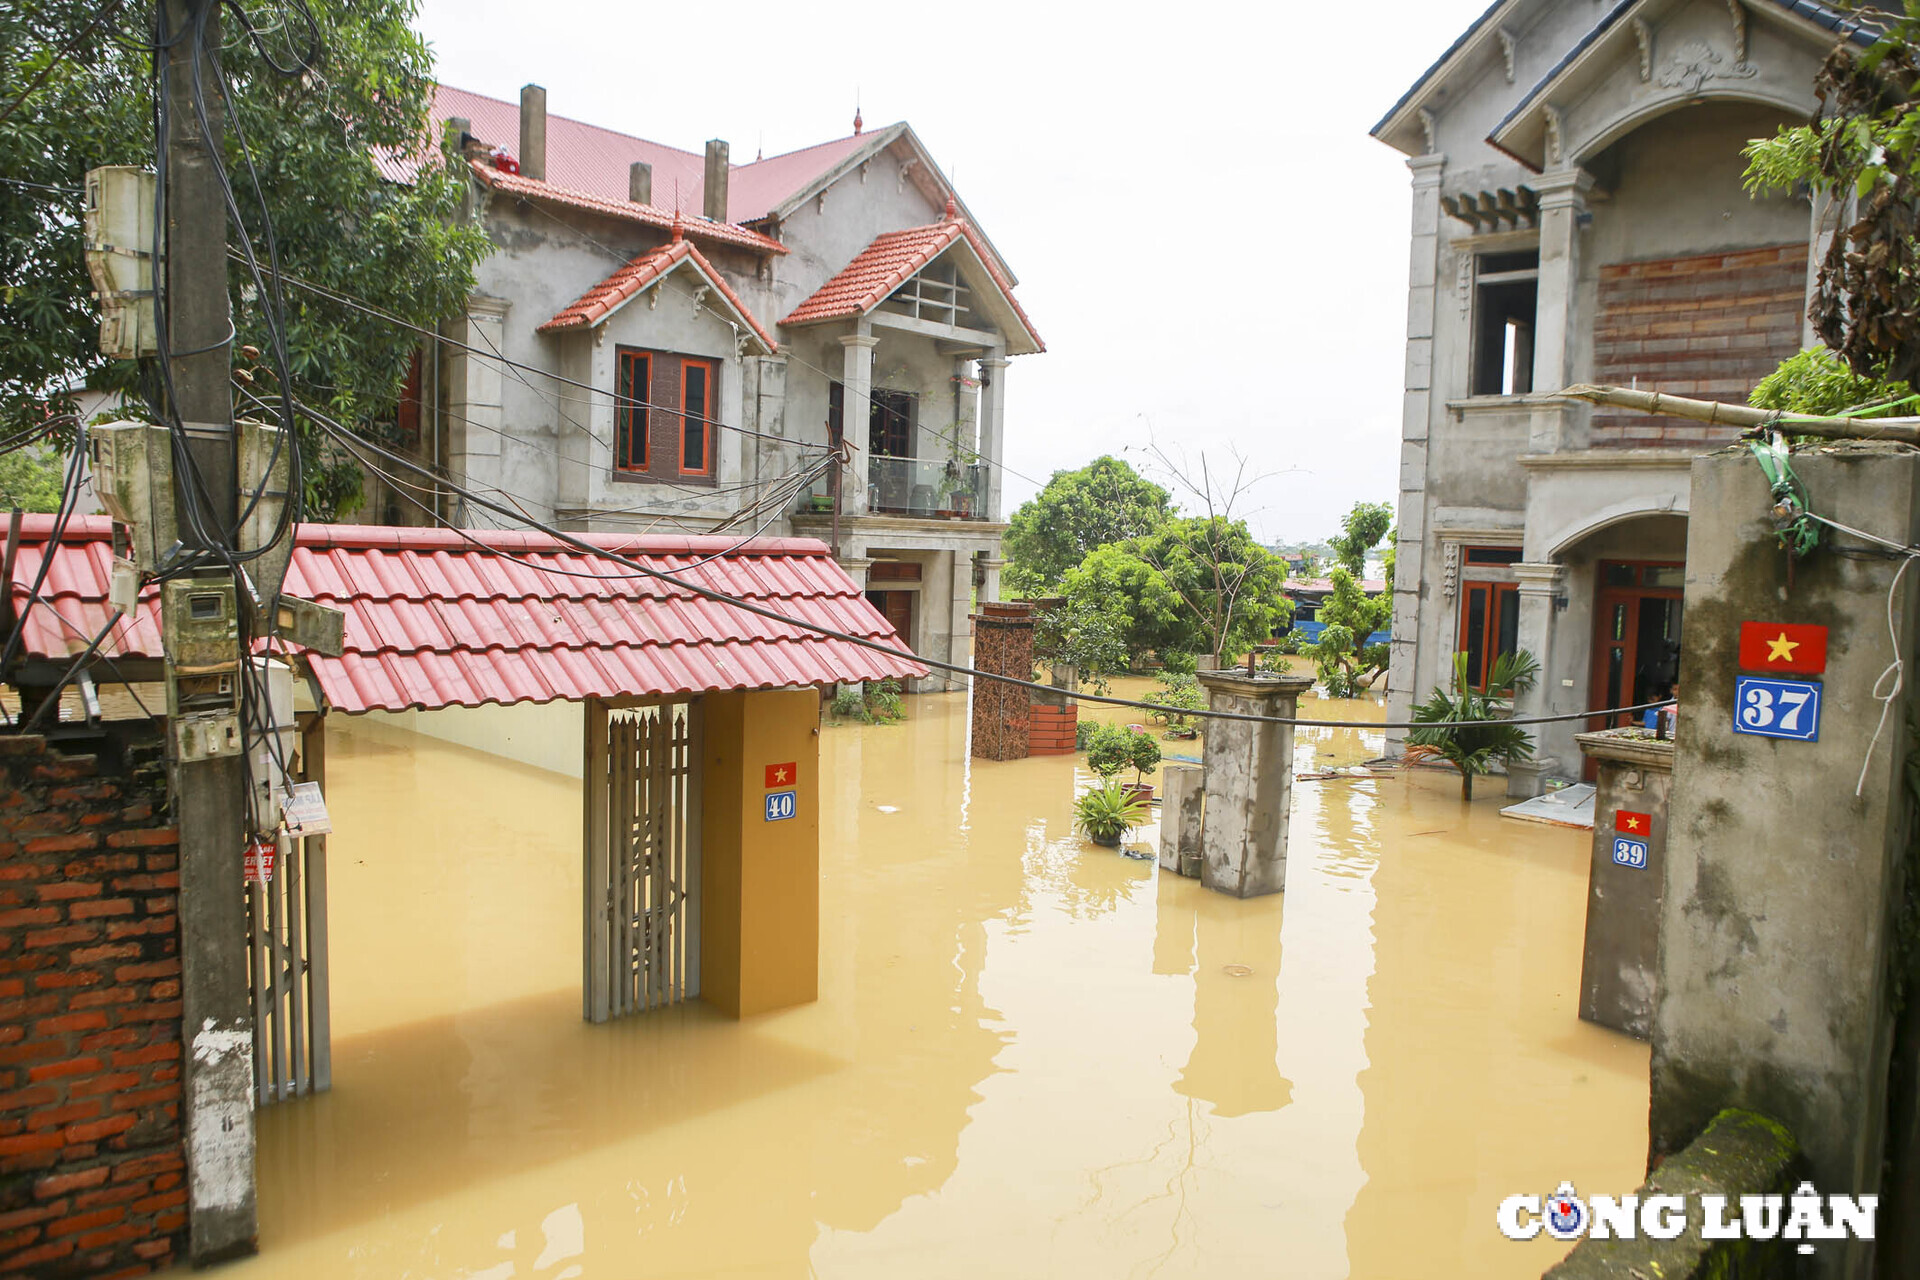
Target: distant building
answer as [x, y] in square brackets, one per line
[1579, 216]
[1308, 594]
[712, 329]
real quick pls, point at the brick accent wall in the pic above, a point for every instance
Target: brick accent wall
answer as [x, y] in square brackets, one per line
[92, 1170]
[1050, 730]
[1709, 327]
[1002, 644]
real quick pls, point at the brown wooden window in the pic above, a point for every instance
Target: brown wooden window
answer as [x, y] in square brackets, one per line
[633, 385]
[1489, 626]
[1493, 556]
[696, 417]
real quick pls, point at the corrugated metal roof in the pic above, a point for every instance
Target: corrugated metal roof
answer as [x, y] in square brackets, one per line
[441, 617]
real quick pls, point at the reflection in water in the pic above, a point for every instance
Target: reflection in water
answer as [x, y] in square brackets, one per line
[1029, 1057]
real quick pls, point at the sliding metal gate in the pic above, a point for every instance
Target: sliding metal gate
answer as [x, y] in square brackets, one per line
[287, 957]
[641, 882]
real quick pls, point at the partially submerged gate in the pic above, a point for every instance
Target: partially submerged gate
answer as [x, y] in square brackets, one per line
[641, 878]
[287, 956]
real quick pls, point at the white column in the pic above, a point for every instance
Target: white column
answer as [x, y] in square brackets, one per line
[856, 566]
[856, 410]
[476, 394]
[1416, 413]
[958, 609]
[991, 591]
[993, 409]
[1563, 198]
[1540, 585]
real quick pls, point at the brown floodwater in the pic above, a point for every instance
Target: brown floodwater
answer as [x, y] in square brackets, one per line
[1030, 1056]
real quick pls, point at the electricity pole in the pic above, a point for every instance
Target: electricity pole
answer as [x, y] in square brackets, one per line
[216, 1015]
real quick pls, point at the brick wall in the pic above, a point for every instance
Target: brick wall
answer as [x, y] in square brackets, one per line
[1050, 729]
[91, 1164]
[1709, 327]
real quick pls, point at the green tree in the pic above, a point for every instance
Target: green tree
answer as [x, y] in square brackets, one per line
[1346, 663]
[1104, 502]
[1861, 153]
[1141, 607]
[31, 479]
[1472, 747]
[313, 138]
[1231, 589]
[1085, 634]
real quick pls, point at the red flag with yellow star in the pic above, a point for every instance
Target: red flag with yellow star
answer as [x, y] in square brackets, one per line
[1783, 646]
[1630, 823]
[782, 775]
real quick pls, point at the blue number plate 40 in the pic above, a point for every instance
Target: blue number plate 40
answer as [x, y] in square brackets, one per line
[781, 805]
[1777, 708]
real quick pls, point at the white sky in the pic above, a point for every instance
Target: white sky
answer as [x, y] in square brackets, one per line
[1211, 245]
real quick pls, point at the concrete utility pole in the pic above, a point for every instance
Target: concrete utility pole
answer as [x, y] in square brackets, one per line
[216, 1016]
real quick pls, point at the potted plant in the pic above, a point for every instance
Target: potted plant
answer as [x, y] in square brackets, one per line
[1109, 750]
[1474, 746]
[1104, 814]
[820, 503]
[1145, 756]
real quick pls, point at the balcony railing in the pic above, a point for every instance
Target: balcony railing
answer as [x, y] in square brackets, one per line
[929, 488]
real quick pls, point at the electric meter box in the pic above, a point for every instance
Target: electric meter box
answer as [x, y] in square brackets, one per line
[133, 478]
[119, 233]
[201, 625]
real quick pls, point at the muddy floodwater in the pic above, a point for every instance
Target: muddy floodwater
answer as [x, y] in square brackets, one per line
[1030, 1056]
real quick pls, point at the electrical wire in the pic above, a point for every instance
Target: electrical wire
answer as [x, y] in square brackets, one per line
[865, 642]
[65, 51]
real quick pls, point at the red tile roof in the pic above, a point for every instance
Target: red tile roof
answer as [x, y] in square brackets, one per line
[595, 161]
[889, 262]
[607, 297]
[434, 620]
[646, 214]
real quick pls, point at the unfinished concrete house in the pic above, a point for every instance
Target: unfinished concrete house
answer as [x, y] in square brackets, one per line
[1579, 216]
[686, 342]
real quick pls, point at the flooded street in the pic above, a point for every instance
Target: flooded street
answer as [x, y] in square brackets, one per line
[1030, 1056]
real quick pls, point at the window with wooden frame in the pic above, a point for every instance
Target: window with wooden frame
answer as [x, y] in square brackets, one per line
[696, 417]
[633, 386]
[1505, 293]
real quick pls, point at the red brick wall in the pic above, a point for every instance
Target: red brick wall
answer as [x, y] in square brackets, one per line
[1050, 729]
[91, 1164]
[1709, 327]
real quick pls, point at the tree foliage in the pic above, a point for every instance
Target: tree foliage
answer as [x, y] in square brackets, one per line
[1230, 588]
[1815, 382]
[31, 479]
[1345, 661]
[1086, 634]
[1861, 153]
[312, 139]
[1473, 747]
[1139, 604]
[1104, 502]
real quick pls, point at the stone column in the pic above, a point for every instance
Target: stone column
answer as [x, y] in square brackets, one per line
[1249, 782]
[1783, 892]
[856, 567]
[1563, 199]
[959, 606]
[991, 591]
[475, 396]
[856, 410]
[1540, 584]
[1415, 420]
[1183, 790]
[1626, 879]
[993, 412]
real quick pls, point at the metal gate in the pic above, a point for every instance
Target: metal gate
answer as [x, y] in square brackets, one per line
[287, 956]
[641, 883]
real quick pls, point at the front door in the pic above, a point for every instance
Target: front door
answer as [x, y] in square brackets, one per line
[1636, 641]
[898, 608]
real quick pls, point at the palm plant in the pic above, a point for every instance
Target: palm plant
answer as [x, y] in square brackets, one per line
[1107, 812]
[1472, 747]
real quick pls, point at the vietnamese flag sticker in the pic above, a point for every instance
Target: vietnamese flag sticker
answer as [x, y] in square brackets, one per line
[782, 775]
[1783, 646]
[1630, 823]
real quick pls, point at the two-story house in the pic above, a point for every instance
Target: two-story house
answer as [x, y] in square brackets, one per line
[666, 341]
[1579, 215]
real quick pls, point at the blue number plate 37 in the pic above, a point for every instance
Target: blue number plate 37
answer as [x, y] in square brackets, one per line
[1777, 708]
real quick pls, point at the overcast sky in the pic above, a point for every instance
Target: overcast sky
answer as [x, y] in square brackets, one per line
[1212, 246]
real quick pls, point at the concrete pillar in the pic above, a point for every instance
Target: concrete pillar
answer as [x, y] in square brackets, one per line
[760, 879]
[959, 608]
[713, 194]
[1183, 790]
[991, 591]
[856, 400]
[1540, 586]
[856, 567]
[993, 413]
[1563, 199]
[1783, 889]
[475, 396]
[1415, 417]
[533, 132]
[1249, 783]
[1625, 881]
[640, 182]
